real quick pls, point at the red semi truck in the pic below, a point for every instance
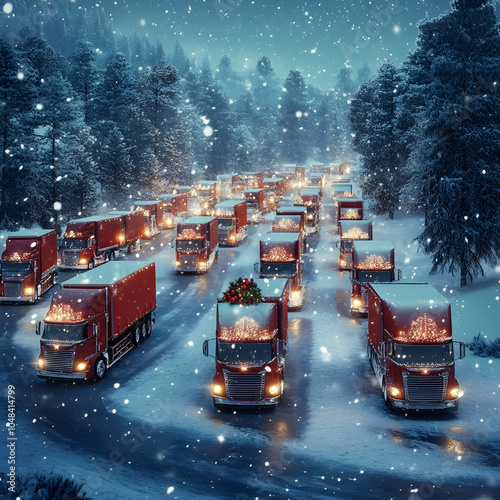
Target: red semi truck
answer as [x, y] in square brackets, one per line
[310, 199]
[95, 318]
[350, 231]
[209, 194]
[296, 210]
[281, 257]
[29, 265]
[343, 190]
[256, 204]
[173, 206]
[90, 241]
[372, 262]
[197, 244]
[132, 229]
[410, 346]
[276, 184]
[349, 209]
[250, 349]
[153, 216]
[232, 220]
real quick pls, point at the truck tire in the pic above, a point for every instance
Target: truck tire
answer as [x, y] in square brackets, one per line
[100, 368]
[149, 326]
[91, 264]
[144, 331]
[112, 255]
[386, 397]
[136, 335]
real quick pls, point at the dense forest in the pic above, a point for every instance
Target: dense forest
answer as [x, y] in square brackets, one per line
[92, 117]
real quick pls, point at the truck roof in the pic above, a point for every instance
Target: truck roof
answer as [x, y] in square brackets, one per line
[30, 233]
[107, 274]
[292, 208]
[363, 226]
[93, 218]
[367, 247]
[253, 190]
[146, 202]
[255, 323]
[273, 179]
[229, 203]
[280, 238]
[198, 219]
[273, 287]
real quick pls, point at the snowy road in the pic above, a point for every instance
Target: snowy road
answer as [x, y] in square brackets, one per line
[149, 429]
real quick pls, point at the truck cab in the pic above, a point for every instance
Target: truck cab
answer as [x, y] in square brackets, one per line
[349, 232]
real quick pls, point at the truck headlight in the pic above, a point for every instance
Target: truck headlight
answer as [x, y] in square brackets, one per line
[342, 262]
[81, 366]
[310, 216]
[274, 389]
[232, 238]
[394, 392]
[28, 290]
[177, 263]
[202, 263]
[456, 393]
[357, 303]
[216, 389]
[82, 262]
[40, 363]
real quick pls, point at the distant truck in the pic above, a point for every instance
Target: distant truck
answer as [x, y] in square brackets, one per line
[342, 190]
[294, 211]
[372, 262]
[173, 205]
[232, 221]
[410, 346]
[250, 349]
[311, 200]
[29, 265]
[90, 241]
[152, 211]
[276, 184]
[256, 204]
[95, 318]
[132, 230]
[209, 194]
[281, 257]
[197, 244]
[349, 209]
[350, 231]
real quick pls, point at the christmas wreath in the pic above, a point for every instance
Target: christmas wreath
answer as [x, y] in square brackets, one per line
[243, 291]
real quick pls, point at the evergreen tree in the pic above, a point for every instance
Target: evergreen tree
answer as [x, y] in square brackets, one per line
[456, 171]
[364, 74]
[180, 61]
[295, 146]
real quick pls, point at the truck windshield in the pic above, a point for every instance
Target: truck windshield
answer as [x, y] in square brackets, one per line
[285, 269]
[418, 355]
[65, 333]
[77, 243]
[255, 353]
[374, 276]
[189, 245]
[345, 245]
[225, 223]
[13, 269]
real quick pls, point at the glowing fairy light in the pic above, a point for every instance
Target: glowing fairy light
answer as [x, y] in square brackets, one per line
[189, 234]
[285, 224]
[423, 329]
[73, 234]
[17, 257]
[245, 329]
[374, 262]
[351, 214]
[278, 254]
[355, 233]
[64, 313]
[347, 194]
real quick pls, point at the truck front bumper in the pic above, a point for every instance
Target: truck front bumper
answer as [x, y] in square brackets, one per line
[17, 299]
[405, 405]
[77, 267]
[68, 376]
[359, 310]
[218, 401]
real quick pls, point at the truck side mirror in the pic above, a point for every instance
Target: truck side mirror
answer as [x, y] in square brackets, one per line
[382, 350]
[283, 347]
[95, 330]
[337, 244]
[462, 350]
[399, 275]
[38, 328]
[256, 267]
[301, 267]
[390, 348]
[206, 345]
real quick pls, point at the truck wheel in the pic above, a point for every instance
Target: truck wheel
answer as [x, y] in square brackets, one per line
[99, 368]
[137, 335]
[386, 398]
[112, 255]
[91, 264]
[144, 331]
[54, 278]
[149, 327]
[106, 257]
[35, 295]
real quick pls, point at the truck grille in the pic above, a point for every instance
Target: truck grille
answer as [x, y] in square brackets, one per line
[425, 388]
[70, 258]
[12, 289]
[244, 386]
[189, 262]
[59, 361]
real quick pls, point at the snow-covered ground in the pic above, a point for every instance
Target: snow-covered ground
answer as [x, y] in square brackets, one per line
[332, 424]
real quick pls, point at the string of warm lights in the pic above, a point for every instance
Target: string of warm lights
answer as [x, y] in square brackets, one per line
[374, 262]
[17, 257]
[245, 329]
[278, 254]
[189, 234]
[351, 214]
[285, 224]
[423, 329]
[64, 313]
[355, 233]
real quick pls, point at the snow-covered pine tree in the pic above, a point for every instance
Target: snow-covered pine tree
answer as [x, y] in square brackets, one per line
[293, 117]
[456, 173]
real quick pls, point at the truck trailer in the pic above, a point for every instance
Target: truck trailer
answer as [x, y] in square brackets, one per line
[410, 346]
[29, 265]
[350, 231]
[232, 221]
[95, 318]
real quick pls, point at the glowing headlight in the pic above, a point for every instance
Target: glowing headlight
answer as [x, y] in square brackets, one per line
[81, 366]
[41, 363]
[342, 262]
[147, 233]
[232, 238]
[28, 291]
[357, 303]
[273, 390]
[394, 392]
[82, 262]
[203, 263]
[216, 389]
[456, 393]
[177, 263]
[310, 216]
